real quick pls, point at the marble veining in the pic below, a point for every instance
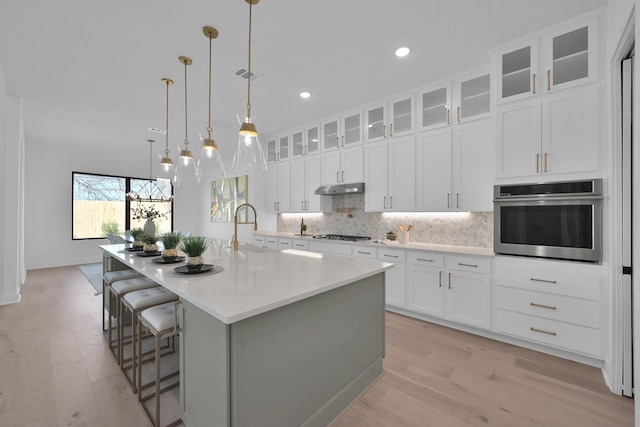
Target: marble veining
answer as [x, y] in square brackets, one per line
[473, 229]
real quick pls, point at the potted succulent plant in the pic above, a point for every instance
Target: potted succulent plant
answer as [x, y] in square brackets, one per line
[136, 233]
[194, 247]
[150, 243]
[170, 242]
[391, 235]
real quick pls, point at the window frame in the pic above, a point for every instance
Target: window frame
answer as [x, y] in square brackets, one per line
[127, 208]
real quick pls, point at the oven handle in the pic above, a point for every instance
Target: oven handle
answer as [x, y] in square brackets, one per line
[548, 197]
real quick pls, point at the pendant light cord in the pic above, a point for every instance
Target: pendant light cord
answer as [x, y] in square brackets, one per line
[209, 129]
[186, 138]
[166, 124]
[249, 68]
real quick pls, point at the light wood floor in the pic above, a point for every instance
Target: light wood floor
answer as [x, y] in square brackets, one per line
[56, 370]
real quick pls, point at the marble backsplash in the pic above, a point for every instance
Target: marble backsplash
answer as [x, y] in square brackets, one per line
[473, 229]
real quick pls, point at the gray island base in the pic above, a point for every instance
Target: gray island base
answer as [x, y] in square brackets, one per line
[298, 365]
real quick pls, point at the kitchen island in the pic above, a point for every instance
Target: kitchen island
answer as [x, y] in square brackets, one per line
[272, 338]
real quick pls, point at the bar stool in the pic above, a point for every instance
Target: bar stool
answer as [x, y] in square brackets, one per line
[162, 322]
[118, 290]
[109, 278]
[135, 302]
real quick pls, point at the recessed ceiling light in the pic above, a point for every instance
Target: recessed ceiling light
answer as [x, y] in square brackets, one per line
[305, 95]
[402, 51]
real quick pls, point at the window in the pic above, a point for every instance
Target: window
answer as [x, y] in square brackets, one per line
[100, 206]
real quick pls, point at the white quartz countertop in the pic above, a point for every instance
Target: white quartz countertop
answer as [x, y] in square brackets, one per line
[452, 249]
[252, 280]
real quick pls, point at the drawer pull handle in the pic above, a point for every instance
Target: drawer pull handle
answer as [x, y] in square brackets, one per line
[425, 260]
[461, 264]
[439, 279]
[449, 280]
[534, 304]
[299, 245]
[533, 279]
[542, 331]
[364, 253]
[391, 256]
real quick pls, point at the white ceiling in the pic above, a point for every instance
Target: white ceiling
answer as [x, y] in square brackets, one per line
[89, 72]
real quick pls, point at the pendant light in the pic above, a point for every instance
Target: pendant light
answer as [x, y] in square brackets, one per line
[187, 168]
[150, 191]
[210, 163]
[249, 156]
[166, 164]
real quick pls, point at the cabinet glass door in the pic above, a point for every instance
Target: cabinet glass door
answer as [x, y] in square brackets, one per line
[297, 143]
[375, 123]
[434, 108]
[283, 145]
[313, 140]
[516, 72]
[272, 151]
[475, 97]
[330, 135]
[402, 115]
[570, 56]
[352, 130]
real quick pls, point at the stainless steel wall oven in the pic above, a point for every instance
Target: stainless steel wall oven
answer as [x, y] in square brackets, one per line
[560, 220]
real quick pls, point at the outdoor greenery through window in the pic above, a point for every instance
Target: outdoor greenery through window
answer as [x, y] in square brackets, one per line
[100, 206]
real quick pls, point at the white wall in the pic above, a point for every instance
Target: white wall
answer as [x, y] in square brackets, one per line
[12, 266]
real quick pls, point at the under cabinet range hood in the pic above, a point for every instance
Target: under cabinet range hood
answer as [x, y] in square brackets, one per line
[335, 189]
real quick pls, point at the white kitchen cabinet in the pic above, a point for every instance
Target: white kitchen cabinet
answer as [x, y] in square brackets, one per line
[343, 131]
[260, 241]
[458, 101]
[285, 243]
[305, 179]
[394, 277]
[472, 97]
[390, 175]
[301, 245]
[456, 168]
[453, 287]
[556, 303]
[344, 165]
[278, 149]
[271, 242]
[390, 118]
[434, 107]
[555, 134]
[305, 142]
[551, 60]
[279, 187]
[425, 283]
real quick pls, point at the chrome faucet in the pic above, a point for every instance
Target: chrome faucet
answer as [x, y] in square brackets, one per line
[235, 223]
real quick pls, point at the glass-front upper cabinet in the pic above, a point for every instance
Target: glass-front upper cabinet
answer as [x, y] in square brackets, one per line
[272, 150]
[312, 143]
[434, 107]
[297, 143]
[564, 57]
[390, 118]
[283, 148]
[474, 97]
[344, 131]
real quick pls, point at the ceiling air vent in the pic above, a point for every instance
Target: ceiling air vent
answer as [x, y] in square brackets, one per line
[244, 73]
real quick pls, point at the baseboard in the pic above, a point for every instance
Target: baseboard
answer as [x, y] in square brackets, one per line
[9, 299]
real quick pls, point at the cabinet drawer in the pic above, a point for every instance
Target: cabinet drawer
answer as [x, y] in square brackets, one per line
[391, 255]
[558, 334]
[330, 248]
[468, 263]
[301, 245]
[555, 277]
[555, 307]
[364, 252]
[285, 243]
[427, 259]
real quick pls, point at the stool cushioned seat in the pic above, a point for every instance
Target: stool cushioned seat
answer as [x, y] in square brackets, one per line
[130, 285]
[113, 276]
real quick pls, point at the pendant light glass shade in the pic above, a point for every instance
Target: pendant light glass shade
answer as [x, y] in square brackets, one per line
[210, 162]
[166, 164]
[249, 156]
[187, 166]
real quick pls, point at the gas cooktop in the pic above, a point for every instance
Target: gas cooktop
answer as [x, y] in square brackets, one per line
[341, 237]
